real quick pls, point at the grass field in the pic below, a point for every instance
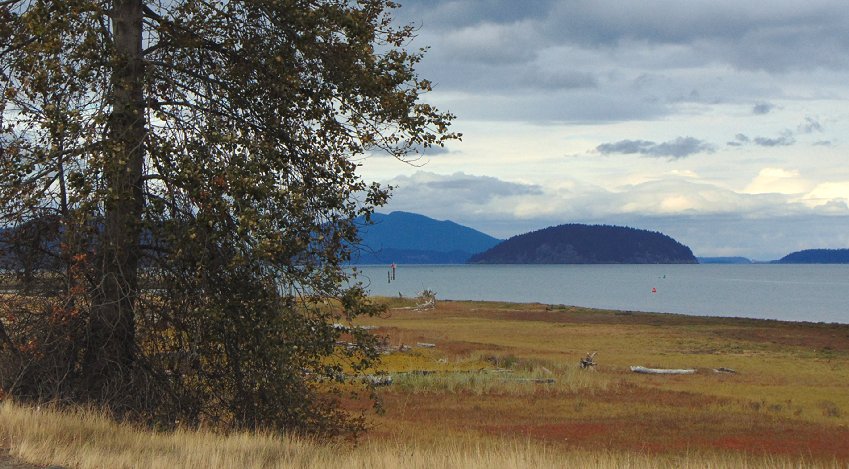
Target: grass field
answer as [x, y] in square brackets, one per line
[502, 388]
[789, 397]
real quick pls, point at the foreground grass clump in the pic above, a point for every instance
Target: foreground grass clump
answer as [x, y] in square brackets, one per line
[86, 439]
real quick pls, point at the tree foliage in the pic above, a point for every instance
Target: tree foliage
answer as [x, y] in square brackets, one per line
[177, 194]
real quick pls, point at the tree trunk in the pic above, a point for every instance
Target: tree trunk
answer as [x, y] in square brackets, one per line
[111, 348]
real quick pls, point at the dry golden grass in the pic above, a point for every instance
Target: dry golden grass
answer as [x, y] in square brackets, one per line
[85, 439]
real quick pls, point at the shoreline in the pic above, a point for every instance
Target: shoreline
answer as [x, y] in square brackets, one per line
[627, 312]
[670, 317]
[815, 294]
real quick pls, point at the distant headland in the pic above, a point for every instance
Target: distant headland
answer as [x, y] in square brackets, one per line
[816, 256]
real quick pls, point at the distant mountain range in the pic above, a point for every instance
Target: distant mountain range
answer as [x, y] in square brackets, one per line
[588, 244]
[409, 238]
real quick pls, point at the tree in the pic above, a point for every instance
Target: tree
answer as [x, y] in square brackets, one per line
[189, 168]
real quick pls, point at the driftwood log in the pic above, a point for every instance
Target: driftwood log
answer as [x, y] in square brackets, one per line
[662, 371]
[588, 362]
[428, 302]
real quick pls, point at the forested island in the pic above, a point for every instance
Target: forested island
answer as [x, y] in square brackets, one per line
[816, 256]
[588, 244]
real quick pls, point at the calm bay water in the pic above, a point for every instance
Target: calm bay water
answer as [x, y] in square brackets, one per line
[817, 293]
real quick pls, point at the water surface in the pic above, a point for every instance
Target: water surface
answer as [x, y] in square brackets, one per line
[817, 293]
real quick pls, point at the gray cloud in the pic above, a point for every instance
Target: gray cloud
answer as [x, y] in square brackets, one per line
[783, 140]
[489, 43]
[430, 151]
[681, 147]
[762, 108]
[449, 192]
[775, 37]
[739, 140]
[786, 138]
[520, 78]
[700, 51]
[810, 125]
[626, 147]
[453, 14]
[482, 188]
[558, 80]
[417, 154]
[574, 106]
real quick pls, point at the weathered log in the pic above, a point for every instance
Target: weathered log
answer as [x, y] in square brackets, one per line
[662, 371]
[588, 362]
[429, 304]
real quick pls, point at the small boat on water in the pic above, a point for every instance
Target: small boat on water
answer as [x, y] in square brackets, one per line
[662, 371]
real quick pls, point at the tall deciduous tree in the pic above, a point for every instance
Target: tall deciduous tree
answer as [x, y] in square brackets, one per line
[177, 190]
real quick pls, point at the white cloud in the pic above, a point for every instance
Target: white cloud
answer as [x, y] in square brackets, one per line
[777, 181]
[831, 196]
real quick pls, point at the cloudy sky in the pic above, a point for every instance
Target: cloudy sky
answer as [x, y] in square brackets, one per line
[721, 123]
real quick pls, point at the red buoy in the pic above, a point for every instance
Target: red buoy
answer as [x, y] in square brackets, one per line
[654, 290]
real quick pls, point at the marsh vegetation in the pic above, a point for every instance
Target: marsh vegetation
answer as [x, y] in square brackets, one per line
[503, 387]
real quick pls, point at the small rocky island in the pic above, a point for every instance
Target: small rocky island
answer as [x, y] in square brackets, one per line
[588, 244]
